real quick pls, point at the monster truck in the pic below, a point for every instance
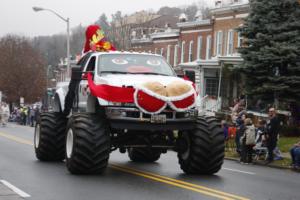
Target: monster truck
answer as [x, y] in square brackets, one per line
[127, 101]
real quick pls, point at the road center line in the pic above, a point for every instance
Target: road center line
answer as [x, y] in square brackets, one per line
[183, 184]
[15, 189]
[170, 183]
[236, 170]
[17, 139]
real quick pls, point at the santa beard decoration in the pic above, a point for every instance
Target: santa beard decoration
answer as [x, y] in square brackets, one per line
[150, 97]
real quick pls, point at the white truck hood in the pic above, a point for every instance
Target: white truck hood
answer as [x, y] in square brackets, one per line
[134, 79]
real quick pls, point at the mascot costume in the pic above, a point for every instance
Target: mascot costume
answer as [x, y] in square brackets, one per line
[96, 41]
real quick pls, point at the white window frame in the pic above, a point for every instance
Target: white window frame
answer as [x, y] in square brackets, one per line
[199, 47]
[240, 40]
[175, 55]
[168, 53]
[208, 47]
[215, 43]
[182, 51]
[191, 51]
[230, 39]
[155, 51]
[219, 43]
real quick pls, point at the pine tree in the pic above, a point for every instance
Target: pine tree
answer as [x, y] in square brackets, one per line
[271, 50]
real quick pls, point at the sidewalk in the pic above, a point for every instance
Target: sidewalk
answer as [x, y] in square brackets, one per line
[279, 164]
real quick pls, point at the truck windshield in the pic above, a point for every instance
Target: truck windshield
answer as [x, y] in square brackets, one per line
[134, 64]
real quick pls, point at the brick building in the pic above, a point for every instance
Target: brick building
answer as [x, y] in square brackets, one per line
[204, 49]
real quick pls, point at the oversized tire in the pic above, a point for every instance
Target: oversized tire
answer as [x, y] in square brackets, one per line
[49, 137]
[204, 147]
[144, 154]
[87, 144]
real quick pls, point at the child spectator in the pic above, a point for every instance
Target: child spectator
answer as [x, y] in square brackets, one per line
[260, 134]
[224, 126]
[247, 142]
[295, 154]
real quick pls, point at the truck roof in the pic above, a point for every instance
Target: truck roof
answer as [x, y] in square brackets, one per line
[124, 52]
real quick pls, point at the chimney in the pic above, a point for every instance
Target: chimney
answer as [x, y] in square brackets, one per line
[199, 16]
[218, 3]
[182, 17]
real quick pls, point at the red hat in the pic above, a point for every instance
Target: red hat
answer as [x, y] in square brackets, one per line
[96, 40]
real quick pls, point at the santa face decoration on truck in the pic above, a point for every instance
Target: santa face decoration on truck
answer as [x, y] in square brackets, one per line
[150, 97]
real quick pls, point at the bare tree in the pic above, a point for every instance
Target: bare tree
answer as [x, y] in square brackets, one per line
[22, 72]
[119, 33]
[122, 27]
[77, 39]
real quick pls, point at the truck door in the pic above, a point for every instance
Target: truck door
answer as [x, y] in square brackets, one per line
[83, 87]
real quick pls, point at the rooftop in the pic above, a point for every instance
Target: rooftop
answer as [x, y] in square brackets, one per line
[229, 7]
[166, 34]
[194, 23]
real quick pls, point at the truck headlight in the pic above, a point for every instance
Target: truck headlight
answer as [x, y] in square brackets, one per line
[186, 115]
[118, 113]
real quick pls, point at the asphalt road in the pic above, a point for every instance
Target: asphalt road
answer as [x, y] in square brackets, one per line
[126, 180]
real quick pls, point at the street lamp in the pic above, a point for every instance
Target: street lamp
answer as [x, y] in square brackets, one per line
[67, 20]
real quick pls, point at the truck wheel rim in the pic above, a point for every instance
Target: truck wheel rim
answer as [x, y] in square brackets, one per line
[37, 136]
[69, 145]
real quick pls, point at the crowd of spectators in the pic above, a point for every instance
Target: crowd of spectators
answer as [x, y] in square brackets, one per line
[23, 115]
[252, 140]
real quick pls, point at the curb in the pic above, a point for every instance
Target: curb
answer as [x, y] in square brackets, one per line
[260, 164]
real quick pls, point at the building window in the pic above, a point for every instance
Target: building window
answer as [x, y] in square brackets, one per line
[182, 51]
[211, 82]
[230, 42]
[191, 75]
[219, 43]
[168, 53]
[162, 51]
[240, 40]
[155, 51]
[199, 47]
[175, 55]
[191, 51]
[208, 47]
[211, 86]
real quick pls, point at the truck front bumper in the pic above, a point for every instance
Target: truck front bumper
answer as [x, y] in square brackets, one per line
[134, 119]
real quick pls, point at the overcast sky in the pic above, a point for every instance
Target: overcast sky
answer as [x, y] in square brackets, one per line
[17, 16]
